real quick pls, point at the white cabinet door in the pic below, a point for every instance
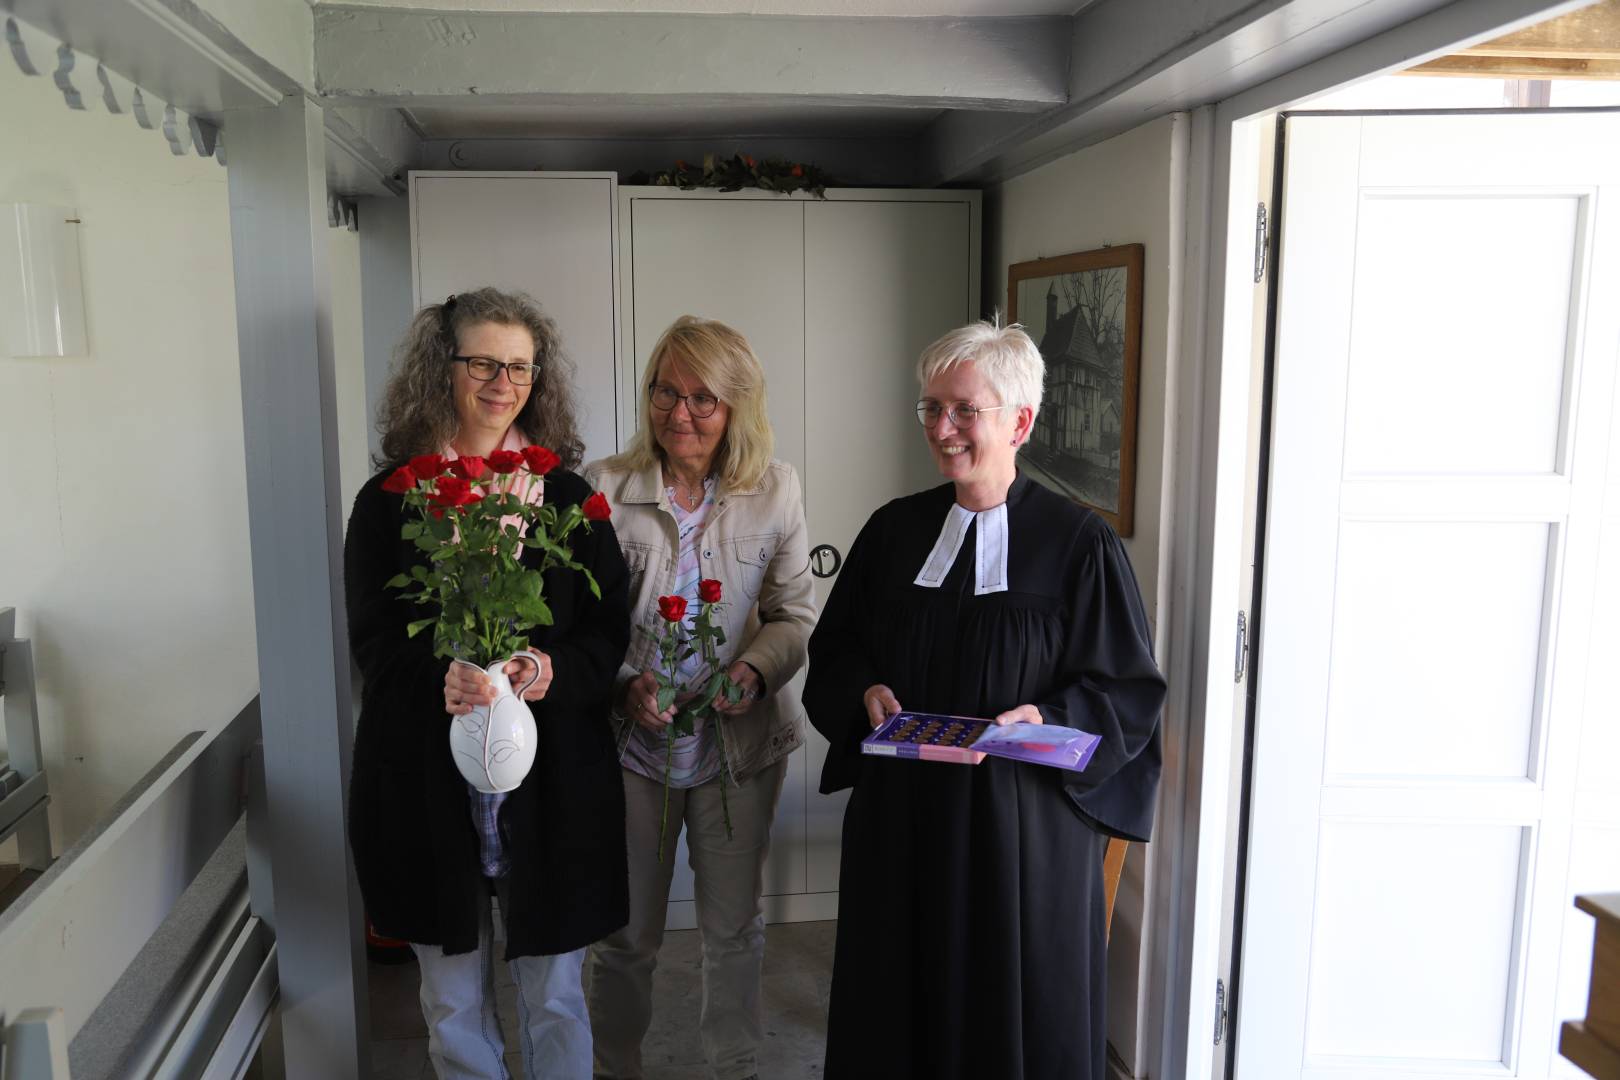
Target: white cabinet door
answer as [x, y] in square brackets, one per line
[882, 281]
[549, 235]
[837, 297]
[1446, 352]
[740, 262]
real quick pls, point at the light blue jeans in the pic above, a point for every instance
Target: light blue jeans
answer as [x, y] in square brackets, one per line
[464, 1033]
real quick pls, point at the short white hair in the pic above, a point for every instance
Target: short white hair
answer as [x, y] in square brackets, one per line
[1005, 355]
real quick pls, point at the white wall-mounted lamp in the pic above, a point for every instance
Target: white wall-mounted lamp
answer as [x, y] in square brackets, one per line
[41, 290]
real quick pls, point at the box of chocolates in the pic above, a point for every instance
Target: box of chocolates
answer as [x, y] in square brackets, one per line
[967, 740]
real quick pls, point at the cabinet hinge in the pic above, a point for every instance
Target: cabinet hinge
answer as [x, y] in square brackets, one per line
[1220, 1011]
[1262, 242]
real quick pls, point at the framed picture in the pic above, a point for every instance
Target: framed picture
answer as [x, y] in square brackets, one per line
[1085, 313]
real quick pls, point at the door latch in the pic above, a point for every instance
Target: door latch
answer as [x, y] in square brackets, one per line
[1262, 242]
[1241, 663]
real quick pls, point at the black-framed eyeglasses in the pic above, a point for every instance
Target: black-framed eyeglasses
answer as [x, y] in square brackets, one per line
[962, 414]
[484, 369]
[699, 405]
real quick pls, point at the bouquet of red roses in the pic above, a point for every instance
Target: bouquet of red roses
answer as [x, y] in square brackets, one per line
[676, 644]
[474, 518]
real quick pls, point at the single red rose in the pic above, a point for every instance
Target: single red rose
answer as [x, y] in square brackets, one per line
[505, 461]
[427, 466]
[680, 166]
[709, 591]
[798, 170]
[469, 467]
[748, 159]
[596, 507]
[453, 491]
[401, 481]
[540, 460]
[672, 608]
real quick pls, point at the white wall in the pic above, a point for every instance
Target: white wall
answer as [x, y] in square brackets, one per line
[1123, 191]
[1117, 192]
[124, 541]
[385, 274]
[123, 538]
[349, 362]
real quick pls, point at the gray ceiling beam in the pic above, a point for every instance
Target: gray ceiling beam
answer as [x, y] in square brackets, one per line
[369, 150]
[1134, 60]
[393, 57]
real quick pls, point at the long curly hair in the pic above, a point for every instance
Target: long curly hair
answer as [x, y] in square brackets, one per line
[418, 412]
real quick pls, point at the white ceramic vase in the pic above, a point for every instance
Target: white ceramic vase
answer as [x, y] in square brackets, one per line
[493, 745]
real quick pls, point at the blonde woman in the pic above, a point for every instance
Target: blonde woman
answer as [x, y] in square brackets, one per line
[697, 495]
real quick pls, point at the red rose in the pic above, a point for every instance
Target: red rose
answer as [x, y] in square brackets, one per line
[748, 159]
[401, 481]
[596, 507]
[680, 165]
[672, 608]
[453, 491]
[798, 170]
[469, 468]
[709, 591]
[506, 461]
[540, 460]
[427, 466]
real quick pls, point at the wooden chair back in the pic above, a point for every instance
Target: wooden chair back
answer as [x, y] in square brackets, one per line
[1113, 867]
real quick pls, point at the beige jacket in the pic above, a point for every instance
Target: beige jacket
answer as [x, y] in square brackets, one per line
[756, 544]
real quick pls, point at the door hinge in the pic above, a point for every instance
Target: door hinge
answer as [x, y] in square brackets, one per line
[1220, 1011]
[1262, 242]
[1241, 663]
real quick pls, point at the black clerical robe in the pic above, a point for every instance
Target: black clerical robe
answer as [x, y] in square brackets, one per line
[971, 928]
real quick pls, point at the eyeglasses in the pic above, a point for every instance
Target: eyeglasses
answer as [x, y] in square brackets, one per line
[484, 369]
[699, 405]
[962, 414]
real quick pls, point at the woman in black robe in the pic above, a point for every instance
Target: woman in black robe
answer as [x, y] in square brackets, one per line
[971, 929]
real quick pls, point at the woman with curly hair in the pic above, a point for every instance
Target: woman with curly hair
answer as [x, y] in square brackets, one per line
[483, 372]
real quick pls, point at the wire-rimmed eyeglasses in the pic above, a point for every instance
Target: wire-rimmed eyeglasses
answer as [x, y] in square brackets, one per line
[485, 369]
[699, 405]
[962, 414]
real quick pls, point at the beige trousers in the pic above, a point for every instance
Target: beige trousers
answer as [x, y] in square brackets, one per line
[729, 876]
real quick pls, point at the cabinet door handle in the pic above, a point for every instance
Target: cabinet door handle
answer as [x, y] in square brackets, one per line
[825, 560]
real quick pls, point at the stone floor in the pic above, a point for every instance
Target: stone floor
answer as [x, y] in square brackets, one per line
[798, 972]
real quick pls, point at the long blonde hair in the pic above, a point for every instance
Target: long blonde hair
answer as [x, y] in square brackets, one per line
[418, 411]
[721, 358]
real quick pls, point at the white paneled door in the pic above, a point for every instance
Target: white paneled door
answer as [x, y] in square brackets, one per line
[1446, 347]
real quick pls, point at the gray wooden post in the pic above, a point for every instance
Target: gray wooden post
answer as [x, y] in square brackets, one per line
[284, 334]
